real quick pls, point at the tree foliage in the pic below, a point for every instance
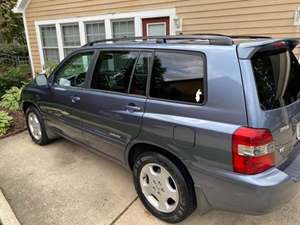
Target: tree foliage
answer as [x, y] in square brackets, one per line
[11, 24]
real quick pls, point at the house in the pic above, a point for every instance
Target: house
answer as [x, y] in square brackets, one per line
[57, 27]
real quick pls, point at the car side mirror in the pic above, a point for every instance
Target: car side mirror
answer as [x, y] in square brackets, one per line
[41, 80]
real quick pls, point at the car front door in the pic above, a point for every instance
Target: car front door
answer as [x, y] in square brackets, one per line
[64, 105]
[115, 102]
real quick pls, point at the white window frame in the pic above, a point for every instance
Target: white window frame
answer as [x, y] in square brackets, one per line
[107, 18]
[92, 22]
[62, 37]
[122, 20]
[44, 47]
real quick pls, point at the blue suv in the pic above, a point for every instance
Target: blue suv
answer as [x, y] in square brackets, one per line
[202, 121]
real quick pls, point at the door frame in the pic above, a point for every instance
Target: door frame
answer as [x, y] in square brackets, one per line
[155, 20]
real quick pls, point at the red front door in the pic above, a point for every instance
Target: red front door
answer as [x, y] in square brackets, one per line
[159, 26]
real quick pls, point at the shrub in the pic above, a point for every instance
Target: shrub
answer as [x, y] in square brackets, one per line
[14, 76]
[10, 100]
[3, 69]
[5, 122]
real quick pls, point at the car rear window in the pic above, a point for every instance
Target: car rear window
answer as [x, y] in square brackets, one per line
[178, 76]
[277, 76]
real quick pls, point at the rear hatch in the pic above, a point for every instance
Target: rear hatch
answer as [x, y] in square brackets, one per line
[276, 73]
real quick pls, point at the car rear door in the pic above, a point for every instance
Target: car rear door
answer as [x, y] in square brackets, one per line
[115, 102]
[272, 83]
[64, 105]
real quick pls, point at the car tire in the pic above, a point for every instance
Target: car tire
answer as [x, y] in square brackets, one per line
[36, 126]
[156, 190]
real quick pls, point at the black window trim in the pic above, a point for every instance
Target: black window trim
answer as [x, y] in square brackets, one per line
[148, 76]
[97, 52]
[139, 50]
[62, 64]
[205, 82]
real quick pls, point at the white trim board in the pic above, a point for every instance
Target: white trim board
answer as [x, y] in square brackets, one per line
[21, 6]
[28, 44]
[141, 14]
[107, 18]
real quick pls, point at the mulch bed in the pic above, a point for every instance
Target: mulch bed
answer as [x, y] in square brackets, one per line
[18, 123]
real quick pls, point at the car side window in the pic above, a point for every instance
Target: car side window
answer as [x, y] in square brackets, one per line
[141, 72]
[113, 70]
[74, 71]
[178, 76]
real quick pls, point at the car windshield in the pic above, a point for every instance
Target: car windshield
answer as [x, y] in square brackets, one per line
[277, 76]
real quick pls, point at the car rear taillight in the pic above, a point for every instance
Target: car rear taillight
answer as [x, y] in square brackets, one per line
[252, 150]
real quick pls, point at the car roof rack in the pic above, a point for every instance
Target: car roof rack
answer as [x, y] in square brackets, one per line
[237, 36]
[209, 38]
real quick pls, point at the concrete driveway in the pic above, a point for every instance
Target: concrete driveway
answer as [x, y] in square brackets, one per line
[65, 184]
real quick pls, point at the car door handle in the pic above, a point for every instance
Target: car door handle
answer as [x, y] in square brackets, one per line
[133, 108]
[75, 99]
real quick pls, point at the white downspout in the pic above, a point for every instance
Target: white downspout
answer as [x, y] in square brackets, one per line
[296, 23]
[28, 43]
[22, 9]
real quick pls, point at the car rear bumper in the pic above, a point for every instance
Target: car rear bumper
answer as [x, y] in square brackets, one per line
[255, 194]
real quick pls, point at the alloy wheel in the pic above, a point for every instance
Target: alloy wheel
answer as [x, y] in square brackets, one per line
[159, 188]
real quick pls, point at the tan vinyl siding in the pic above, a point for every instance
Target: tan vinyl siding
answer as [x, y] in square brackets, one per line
[246, 17]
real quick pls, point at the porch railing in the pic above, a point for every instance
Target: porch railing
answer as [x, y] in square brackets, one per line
[13, 59]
